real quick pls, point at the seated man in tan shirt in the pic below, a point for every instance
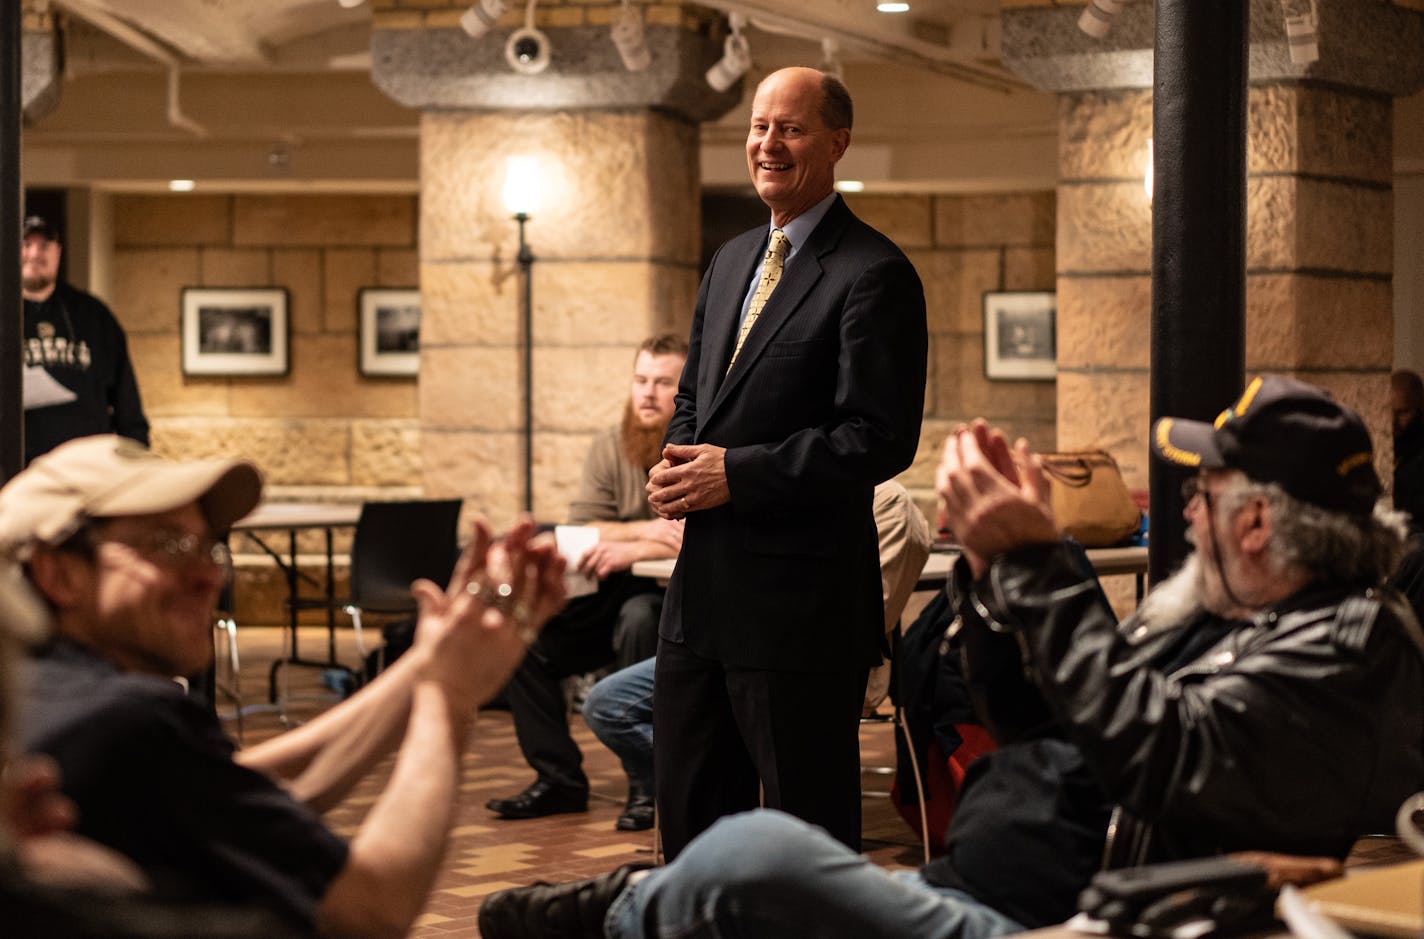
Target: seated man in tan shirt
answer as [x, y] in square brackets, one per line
[620, 620]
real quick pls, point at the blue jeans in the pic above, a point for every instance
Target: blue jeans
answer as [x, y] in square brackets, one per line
[766, 874]
[619, 711]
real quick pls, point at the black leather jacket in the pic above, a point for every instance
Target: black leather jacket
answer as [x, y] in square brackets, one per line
[1297, 731]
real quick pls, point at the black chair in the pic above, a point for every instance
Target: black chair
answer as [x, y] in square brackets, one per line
[395, 543]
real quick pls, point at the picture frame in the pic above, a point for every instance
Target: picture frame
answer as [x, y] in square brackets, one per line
[1020, 335]
[389, 332]
[235, 331]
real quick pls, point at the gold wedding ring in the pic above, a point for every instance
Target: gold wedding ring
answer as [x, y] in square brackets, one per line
[686, 506]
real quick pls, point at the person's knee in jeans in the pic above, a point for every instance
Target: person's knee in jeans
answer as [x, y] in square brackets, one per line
[635, 635]
[619, 711]
[759, 852]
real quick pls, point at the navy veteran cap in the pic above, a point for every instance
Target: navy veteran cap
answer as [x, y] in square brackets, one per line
[1286, 432]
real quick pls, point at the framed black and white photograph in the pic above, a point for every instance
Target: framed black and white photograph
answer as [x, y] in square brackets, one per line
[389, 331]
[1020, 335]
[234, 331]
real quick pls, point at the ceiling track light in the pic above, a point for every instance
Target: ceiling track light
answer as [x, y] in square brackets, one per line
[528, 50]
[736, 56]
[1097, 17]
[481, 17]
[1302, 23]
[627, 34]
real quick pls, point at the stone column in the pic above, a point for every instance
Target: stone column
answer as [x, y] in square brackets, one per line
[1319, 206]
[615, 237]
[39, 62]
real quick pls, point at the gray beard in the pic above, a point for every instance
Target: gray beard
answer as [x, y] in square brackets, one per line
[1175, 601]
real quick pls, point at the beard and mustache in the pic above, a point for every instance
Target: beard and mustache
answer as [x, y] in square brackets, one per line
[35, 284]
[642, 445]
[1194, 589]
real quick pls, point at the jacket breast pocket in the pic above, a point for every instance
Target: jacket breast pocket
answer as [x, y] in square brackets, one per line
[799, 348]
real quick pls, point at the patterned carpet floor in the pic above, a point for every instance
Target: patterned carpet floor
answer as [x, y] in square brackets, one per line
[486, 854]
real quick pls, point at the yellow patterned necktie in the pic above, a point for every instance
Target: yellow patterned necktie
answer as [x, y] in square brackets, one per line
[770, 275]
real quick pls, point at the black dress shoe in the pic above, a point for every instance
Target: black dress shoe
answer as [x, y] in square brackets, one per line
[638, 813]
[540, 799]
[572, 910]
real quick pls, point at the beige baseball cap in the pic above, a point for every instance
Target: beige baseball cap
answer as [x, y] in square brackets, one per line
[107, 476]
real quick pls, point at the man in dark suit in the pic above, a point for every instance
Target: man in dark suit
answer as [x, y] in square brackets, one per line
[803, 389]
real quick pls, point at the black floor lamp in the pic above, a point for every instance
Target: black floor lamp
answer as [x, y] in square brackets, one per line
[520, 189]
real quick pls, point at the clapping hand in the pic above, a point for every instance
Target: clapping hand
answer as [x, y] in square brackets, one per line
[475, 632]
[994, 498]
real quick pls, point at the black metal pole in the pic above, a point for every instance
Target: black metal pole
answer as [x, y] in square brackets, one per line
[12, 310]
[1198, 234]
[526, 267]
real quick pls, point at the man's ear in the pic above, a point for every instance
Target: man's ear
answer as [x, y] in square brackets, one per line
[57, 576]
[1254, 525]
[840, 141]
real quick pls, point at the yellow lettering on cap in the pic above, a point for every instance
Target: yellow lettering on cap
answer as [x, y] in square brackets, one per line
[1351, 463]
[1173, 453]
[1241, 405]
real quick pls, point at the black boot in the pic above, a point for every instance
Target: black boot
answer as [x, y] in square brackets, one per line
[572, 910]
[638, 813]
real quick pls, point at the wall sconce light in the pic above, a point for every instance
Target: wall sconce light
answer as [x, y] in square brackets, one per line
[480, 18]
[627, 36]
[1301, 26]
[521, 198]
[351, 4]
[736, 57]
[1096, 19]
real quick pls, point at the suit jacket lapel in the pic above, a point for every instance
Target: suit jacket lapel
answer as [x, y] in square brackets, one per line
[801, 275]
[724, 303]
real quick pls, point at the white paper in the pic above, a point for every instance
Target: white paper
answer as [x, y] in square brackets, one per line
[40, 390]
[573, 541]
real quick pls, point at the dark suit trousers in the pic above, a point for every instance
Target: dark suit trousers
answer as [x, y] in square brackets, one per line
[718, 730]
[578, 639]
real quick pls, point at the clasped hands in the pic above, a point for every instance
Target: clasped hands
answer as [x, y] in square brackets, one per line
[691, 477]
[994, 498]
[474, 632]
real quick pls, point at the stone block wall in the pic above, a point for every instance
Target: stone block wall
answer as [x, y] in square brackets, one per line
[322, 431]
[964, 246]
[1318, 258]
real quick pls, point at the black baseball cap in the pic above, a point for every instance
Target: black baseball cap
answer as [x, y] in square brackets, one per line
[39, 225]
[1287, 432]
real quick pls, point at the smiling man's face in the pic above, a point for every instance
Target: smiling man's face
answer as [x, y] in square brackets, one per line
[791, 153]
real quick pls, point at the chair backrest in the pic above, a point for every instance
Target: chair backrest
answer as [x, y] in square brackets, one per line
[396, 543]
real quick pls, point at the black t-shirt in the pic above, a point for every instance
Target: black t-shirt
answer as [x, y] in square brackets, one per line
[74, 337]
[153, 777]
[35, 911]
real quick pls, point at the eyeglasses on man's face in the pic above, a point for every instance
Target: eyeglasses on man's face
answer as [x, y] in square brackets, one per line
[1193, 487]
[178, 551]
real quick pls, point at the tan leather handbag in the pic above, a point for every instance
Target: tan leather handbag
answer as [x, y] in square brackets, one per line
[1090, 499]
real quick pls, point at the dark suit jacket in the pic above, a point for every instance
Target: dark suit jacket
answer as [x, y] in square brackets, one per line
[824, 402]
